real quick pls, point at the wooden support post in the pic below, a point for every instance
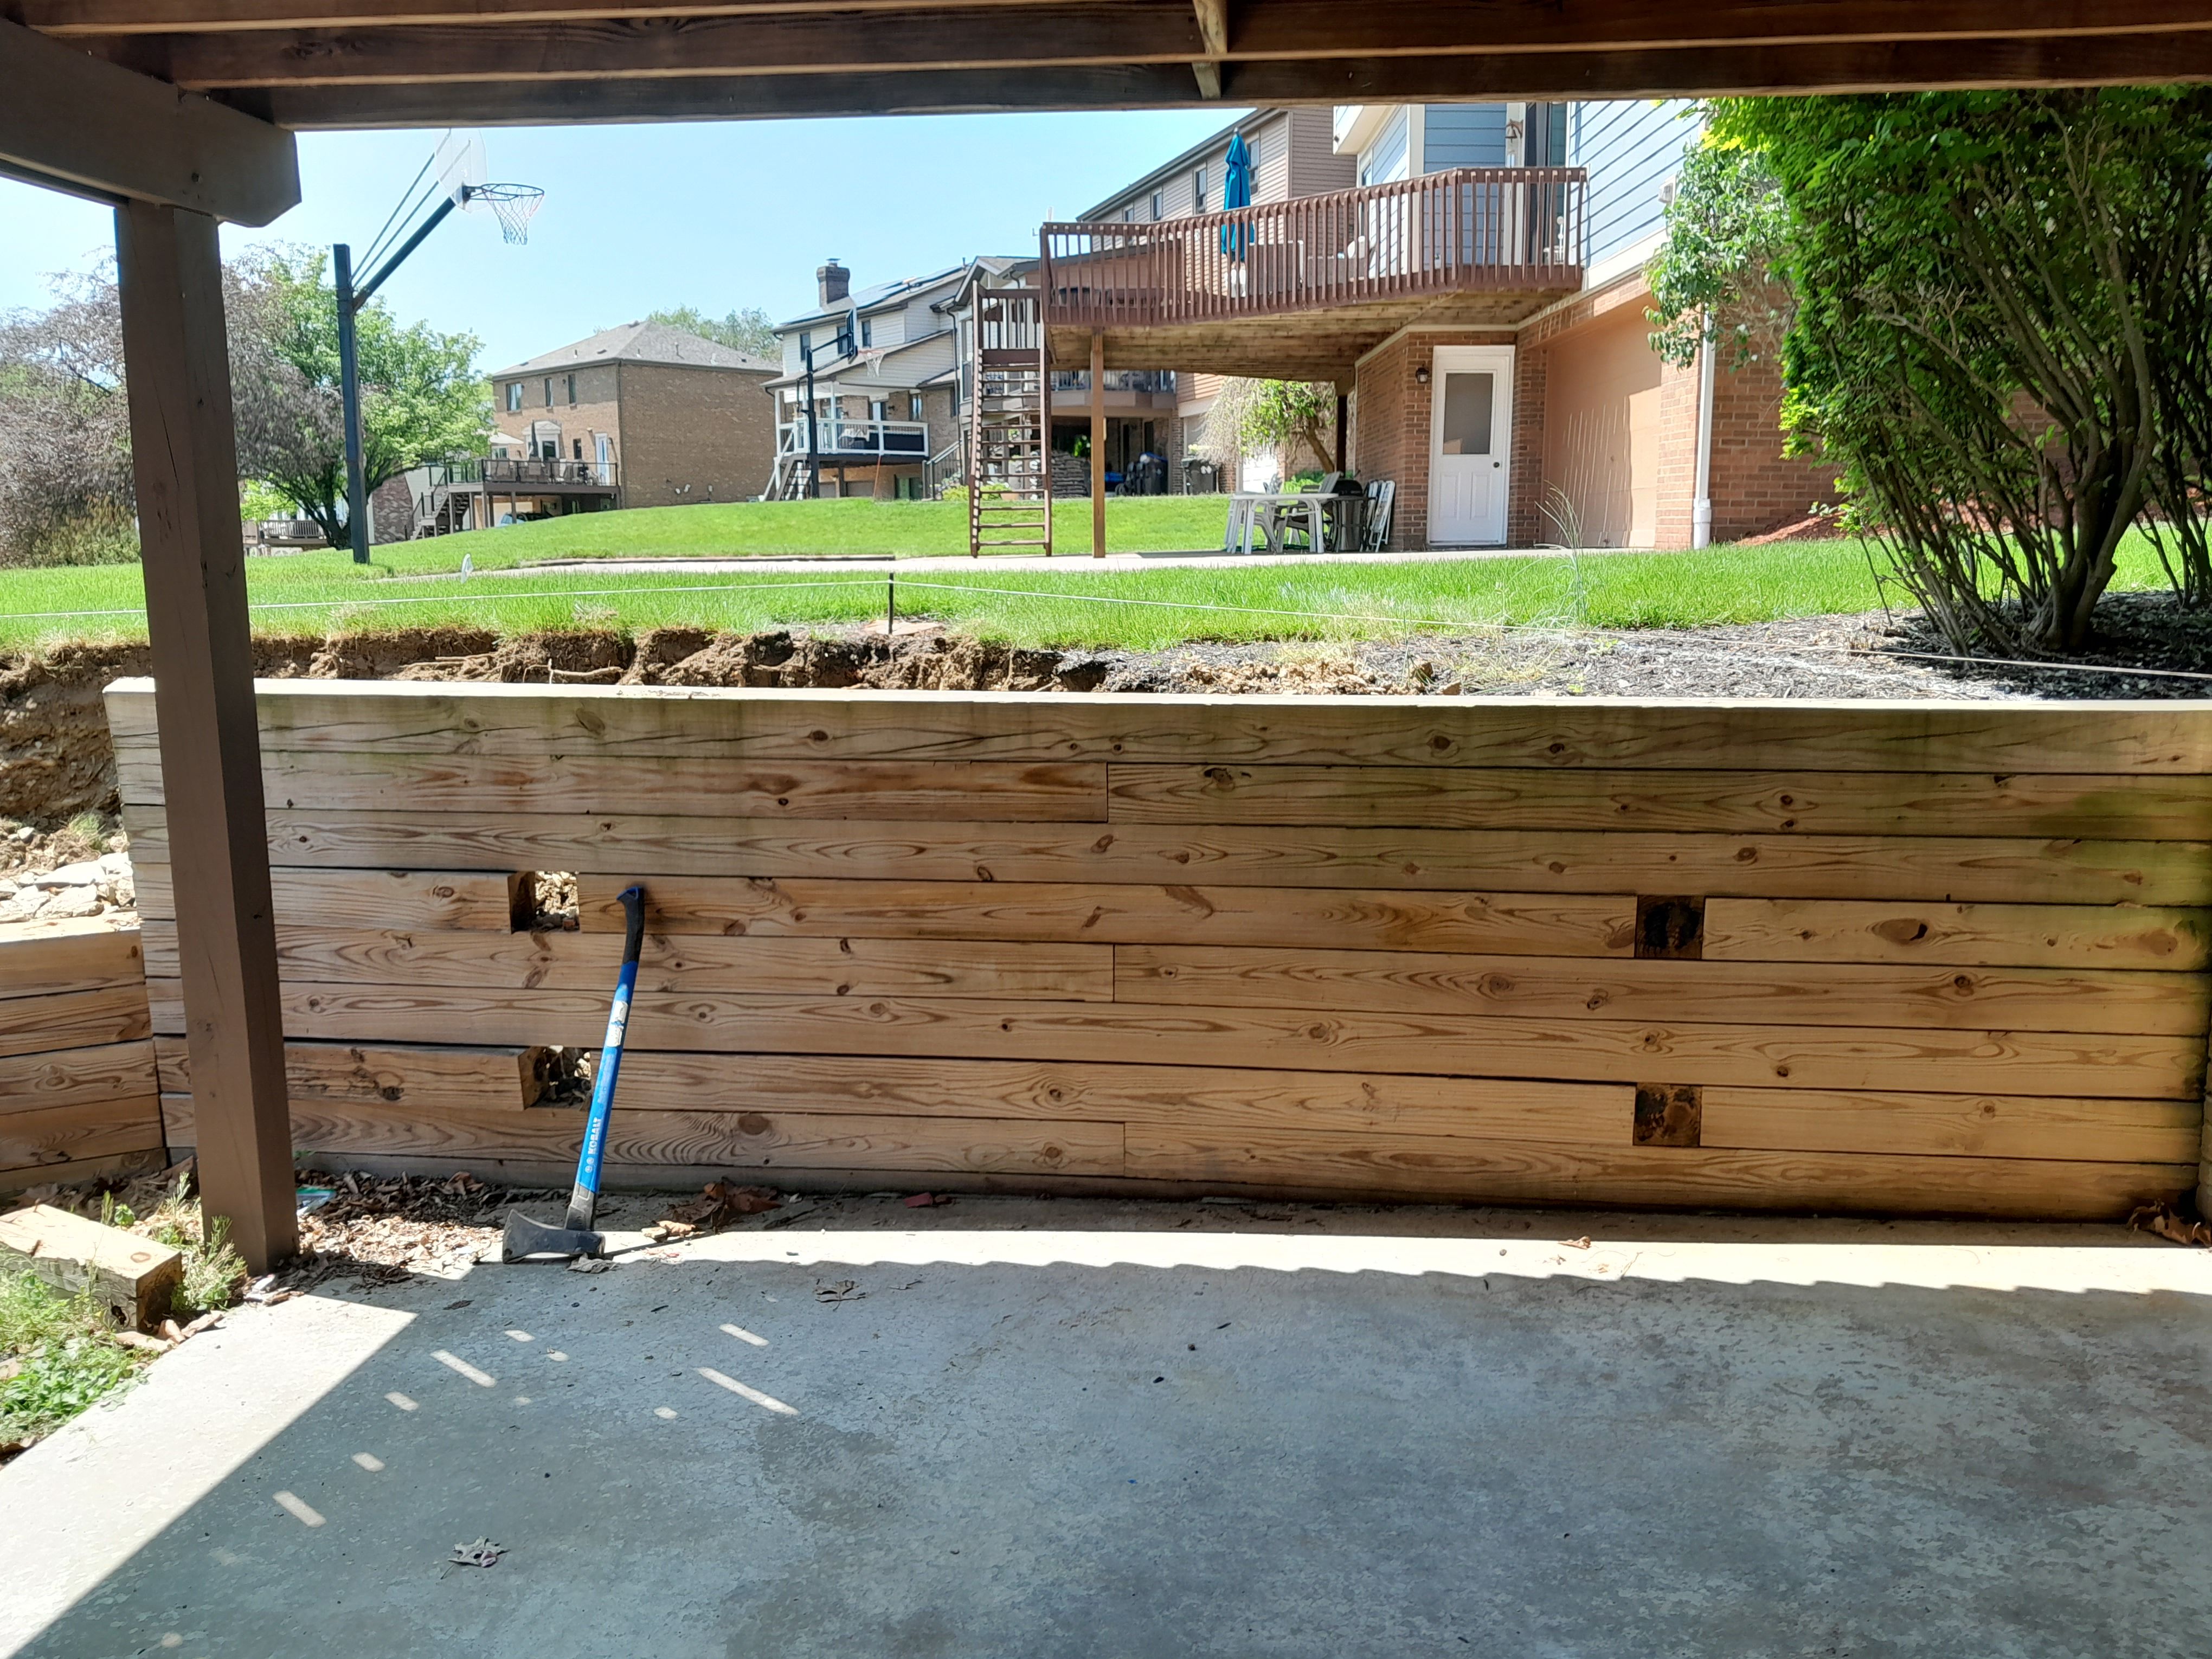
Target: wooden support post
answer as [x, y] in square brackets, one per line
[1098, 443]
[184, 456]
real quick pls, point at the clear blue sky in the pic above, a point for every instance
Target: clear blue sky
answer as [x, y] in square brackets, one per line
[718, 215]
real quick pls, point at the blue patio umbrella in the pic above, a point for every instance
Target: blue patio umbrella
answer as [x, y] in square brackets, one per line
[1236, 193]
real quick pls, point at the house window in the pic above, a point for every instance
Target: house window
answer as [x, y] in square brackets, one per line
[572, 396]
[805, 344]
[579, 442]
[1197, 190]
[549, 391]
[1129, 213]
[1156, 215]
[513, 397]
[867, 330]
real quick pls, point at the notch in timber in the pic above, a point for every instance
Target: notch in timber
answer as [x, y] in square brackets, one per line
[1670, 929]
[1670, 1114]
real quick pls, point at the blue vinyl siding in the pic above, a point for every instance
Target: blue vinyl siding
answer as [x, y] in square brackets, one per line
[1631, 149]
[1385, 159]
[1463, 136]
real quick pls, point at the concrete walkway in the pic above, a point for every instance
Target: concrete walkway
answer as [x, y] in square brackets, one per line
[1029, 1430]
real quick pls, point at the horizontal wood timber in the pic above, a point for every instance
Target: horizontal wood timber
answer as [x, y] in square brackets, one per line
[58, 1136]
[464, 900]
[73, 1019]
[1917, 997]
[1957, 1125]
[76, 1077]
[2052, 935]
[1873, 735]
[493, 1078]
[1508, 923]
[2145, 807]
[1594, 1050]
[1965, 869]
[38, 958]
[990, 791]
[115, 1166]
[315, 954]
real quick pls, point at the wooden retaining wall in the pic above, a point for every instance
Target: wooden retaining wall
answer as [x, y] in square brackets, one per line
[1906, 957]
[77, 1065]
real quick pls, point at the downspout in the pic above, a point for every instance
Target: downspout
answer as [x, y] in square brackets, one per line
[1701, 507]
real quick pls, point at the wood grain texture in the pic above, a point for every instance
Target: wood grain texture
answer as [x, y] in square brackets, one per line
[431, 1075]
[395, 717]
[472, 900]
[1597, 1114]
[1592, 1051]
[76, 1077]
[1111, 913]
[2148, 807]
[115, 1166]
[1958, 1126]
[988, 791]
[38, 958]
[1430, 1167]
[719, 1140]
[1827, 994]
[58, 1136]
[73, 1019]
[1989, 869]
[676, 963]
[1967, 935]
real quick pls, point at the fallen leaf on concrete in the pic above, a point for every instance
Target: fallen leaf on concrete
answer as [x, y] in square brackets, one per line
[139, 1339]
[206, 1322]
[482, 1553]
[2164, 1220]
[590, 1264]
[718, 1204]
[927, 1201]
[171, 1331]
[845, 1290]
[1581, 1243]
[662, 1231]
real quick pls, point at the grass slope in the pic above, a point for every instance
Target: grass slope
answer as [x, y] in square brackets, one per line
[1058, 604]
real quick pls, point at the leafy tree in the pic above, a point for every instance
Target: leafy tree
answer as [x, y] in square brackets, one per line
[421, 398]
[1282, 418]
[748, 330]
[1994, 308]
[65, 491]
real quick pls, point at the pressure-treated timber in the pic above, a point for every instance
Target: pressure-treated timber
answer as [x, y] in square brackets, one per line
[1962, 1126]
[1521, 924]
[391, 717]
[472, 900]
[184, 458]
[77, 1077]
[1986, 869]
[38, 958]
[433, 1075]
[1594, 1050]
[73, 1019]
[1858, 993]
[56, 1136]
[2069, 935]
[2143, 806]
[310, 953]
[91, 129]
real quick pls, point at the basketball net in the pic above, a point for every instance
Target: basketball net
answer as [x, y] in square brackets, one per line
[514, 206]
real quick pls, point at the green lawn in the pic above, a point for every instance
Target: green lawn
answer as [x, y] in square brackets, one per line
[313, 593]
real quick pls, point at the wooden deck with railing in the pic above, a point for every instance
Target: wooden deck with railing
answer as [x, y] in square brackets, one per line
[1465, 231]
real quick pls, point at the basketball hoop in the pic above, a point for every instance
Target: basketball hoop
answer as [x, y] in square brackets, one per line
[515, 205]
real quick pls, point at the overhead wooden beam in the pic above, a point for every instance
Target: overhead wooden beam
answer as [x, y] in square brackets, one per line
[69, 120]
[169, 269]
[1214, 29]
[512, 101]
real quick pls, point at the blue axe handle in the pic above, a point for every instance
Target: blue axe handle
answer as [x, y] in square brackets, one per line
[584, 1202]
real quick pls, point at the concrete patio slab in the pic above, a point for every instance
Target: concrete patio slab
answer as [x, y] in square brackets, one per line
[1030, 1428]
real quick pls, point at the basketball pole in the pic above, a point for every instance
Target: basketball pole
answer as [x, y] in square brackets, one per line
[350, 301]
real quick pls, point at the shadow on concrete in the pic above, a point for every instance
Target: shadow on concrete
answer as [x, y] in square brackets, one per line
[1003, 1428]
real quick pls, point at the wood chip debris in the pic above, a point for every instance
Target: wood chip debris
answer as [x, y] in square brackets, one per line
[718, 1205]
[2167, 1223]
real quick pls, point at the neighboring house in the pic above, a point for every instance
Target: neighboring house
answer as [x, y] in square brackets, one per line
[640, 416]
[1473, 286]
[1161, 409]
[888, 419]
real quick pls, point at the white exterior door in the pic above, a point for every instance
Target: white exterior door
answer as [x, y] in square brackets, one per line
[1470, 444]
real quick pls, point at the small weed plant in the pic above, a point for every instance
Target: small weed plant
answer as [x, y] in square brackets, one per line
[58, 1356]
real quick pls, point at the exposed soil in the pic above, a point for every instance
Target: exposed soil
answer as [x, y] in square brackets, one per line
[56, 761]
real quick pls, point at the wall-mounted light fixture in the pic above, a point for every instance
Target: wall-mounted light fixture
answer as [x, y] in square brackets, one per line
[1421, 376]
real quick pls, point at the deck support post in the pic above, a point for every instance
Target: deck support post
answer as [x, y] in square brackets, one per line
[1098, 443]
[183, 455]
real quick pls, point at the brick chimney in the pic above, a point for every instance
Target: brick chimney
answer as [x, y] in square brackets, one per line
[835, 282]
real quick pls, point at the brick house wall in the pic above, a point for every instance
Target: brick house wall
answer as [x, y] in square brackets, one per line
[1390, 429]
[1755, 487]
[694, 435]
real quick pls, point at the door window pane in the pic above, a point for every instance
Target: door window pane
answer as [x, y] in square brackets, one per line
[1468, 399]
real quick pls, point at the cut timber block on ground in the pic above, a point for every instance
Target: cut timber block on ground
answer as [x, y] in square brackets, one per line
[135, 1277]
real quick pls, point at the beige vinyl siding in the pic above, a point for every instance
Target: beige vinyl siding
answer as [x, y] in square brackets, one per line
[1315, 167]
[1271, 159]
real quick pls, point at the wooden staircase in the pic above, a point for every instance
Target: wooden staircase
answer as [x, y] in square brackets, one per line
[1010, 425]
